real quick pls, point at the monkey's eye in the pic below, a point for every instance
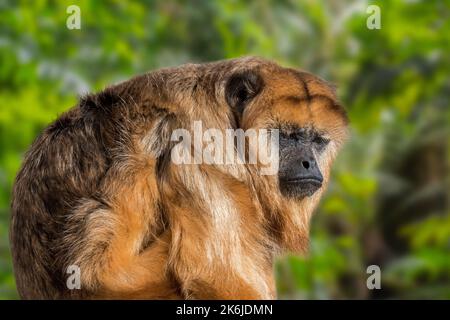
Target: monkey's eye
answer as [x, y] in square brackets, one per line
[321, 142]
[290, 135]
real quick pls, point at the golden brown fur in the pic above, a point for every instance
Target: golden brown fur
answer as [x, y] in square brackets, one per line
[98, 190]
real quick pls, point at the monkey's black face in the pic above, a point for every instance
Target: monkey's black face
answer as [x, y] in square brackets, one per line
[299, 174]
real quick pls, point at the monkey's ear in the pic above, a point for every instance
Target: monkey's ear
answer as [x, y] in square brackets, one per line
[241, 88]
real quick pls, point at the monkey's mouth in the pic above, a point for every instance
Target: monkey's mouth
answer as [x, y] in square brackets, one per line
[300, 187]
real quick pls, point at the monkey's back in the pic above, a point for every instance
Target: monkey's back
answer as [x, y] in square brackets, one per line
[63, 166]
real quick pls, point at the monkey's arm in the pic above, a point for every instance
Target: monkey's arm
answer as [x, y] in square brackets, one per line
[120, 251]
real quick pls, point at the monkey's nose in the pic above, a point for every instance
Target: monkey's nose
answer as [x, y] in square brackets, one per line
[305, 164]
[308, 172]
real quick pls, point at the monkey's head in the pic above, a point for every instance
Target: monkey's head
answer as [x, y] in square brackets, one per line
[312, 124]
[254, 93]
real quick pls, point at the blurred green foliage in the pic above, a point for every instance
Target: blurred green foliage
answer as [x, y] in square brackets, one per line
[388, 203]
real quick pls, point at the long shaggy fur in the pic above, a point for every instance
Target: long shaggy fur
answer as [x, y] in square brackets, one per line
[98, 190]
